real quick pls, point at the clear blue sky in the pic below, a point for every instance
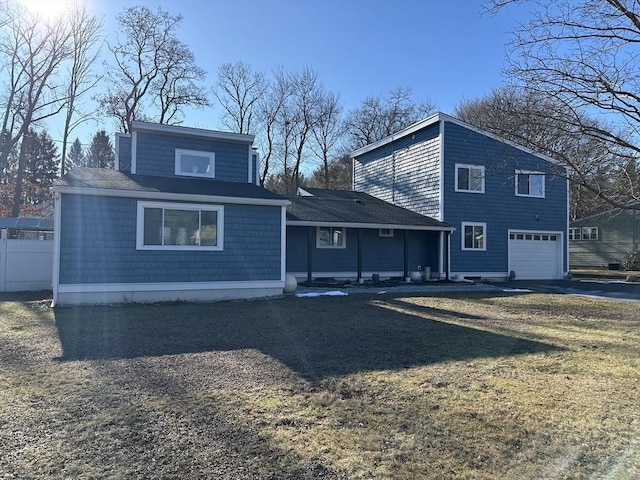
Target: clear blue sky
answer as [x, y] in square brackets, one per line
[445, 50]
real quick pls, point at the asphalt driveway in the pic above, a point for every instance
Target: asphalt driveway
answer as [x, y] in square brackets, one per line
[611, 289]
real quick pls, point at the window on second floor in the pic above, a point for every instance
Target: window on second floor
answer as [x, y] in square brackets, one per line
[195, 163]
[330, 237]
[529, 184]
[469, 178]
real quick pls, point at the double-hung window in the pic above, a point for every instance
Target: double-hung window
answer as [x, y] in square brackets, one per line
[474, 236]
[330, 237]
[584, 233]
[195, 163]
[469, 178]
[179, 226]
[529, 184]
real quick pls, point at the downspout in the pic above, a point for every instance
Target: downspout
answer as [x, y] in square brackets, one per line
[56, 246]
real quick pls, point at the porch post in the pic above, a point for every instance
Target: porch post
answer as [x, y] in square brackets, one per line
[310, 238]
[359, 254]
[446, 255]
[406, 253]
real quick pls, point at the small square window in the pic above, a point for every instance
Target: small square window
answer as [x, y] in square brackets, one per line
[473, 236]
[469, 178]
[385, 232]
[330, 237]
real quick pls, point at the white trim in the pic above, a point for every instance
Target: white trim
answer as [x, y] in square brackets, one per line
[441, 166]
[211, 156]
[332, 228]
[219, 209]
[57, 233]
[469, 167]
[441, 263]
[140, 126]
[257, 182]
[165, 286]
[565, 266]
[151, 195]
[484, 236]
[283, 244]
[74, 294]
[3, 259]
[393, 226]
[483, 275]
[349, 274]
[134, 152]
[250, 166]
[530, 172]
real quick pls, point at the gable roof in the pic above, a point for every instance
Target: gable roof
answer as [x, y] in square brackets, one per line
[442, 117]
[320, 207]
[115, 183]
[633, 207]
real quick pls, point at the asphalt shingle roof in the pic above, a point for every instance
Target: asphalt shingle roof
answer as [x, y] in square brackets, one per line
[343, 207]
[104, 178]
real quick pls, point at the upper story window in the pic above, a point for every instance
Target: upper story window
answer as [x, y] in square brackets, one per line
[529, 184]
[330, 237]
[474, 236]
[194, 163]
[385, 232]
[469, 178]
[584, 233]
[179, 226]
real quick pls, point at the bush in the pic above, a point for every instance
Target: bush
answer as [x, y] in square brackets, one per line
[632, 260]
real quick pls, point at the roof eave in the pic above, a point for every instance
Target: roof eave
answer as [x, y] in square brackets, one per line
[394, 226]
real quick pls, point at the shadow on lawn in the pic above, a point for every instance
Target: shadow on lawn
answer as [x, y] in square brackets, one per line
[315, 337]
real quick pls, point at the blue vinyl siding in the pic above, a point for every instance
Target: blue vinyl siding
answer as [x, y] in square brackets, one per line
[498, 207]
[98, 245]
[378, 253]
[155, 155]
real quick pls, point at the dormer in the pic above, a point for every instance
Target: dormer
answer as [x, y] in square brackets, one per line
[177, 151]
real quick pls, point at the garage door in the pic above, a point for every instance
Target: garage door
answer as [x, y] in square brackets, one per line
[535, 256]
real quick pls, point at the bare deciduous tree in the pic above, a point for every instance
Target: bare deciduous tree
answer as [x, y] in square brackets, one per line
[328, 132]
[32, 52]
[583, 54]
[239, 89]
[85, 33]
[379, 117]
[151, 67]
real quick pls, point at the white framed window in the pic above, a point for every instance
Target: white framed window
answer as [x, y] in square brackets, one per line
[193, 163]
[385, 232]
[331, 237]
[469, 178]
[529, 184]
[474, 236]
[179, 226]
[584, 233]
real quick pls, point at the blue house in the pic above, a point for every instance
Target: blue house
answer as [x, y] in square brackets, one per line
[508, 205]
[181, 217]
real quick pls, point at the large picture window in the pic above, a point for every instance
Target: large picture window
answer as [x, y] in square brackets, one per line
[178, 226]
[474, 236]
[330, 237]
[469, 178]
[530, 184]
[194, 163]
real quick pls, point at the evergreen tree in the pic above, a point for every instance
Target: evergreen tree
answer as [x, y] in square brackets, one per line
[41, 164]
[76, 157]
[100, 154]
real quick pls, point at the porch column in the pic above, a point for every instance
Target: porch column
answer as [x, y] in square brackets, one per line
[406, 253]
[446, 255]
[359, 254]
[310, 239]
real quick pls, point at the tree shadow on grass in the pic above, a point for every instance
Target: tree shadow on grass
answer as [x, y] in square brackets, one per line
[314, 337]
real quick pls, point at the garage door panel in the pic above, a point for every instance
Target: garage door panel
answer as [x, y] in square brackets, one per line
[535, 256]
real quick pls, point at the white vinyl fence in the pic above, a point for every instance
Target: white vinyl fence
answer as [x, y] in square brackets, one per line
[26, 260]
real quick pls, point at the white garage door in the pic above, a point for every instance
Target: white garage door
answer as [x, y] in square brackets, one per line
[535, 256]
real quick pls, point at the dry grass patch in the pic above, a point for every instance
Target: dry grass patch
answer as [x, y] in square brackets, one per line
[396, 386]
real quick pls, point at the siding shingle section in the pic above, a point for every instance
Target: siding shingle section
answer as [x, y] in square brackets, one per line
[405, 173]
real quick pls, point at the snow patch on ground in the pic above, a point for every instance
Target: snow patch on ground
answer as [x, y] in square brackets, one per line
[333, 293]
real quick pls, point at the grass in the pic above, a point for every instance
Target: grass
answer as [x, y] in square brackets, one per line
[395, 386]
